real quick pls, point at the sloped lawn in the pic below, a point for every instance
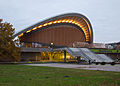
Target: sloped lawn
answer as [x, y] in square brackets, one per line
[20, 75]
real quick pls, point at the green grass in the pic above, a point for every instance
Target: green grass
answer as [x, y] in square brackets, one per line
[20, 75]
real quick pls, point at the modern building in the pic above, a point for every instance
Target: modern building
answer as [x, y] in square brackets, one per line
[55, 39]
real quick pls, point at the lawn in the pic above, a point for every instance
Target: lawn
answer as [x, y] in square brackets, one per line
[20, 75]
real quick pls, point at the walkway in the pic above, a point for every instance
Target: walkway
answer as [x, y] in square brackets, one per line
[77, 66]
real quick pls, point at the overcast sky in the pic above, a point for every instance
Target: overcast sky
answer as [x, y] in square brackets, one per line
[104, 15]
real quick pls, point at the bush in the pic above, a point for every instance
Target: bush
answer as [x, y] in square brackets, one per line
[97, 63]
[113, 63]
[103, 63]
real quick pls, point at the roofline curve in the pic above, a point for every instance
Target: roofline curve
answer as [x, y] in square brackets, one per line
[55, 18]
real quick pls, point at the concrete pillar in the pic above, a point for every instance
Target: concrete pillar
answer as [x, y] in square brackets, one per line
[64, 56]
[51, 56]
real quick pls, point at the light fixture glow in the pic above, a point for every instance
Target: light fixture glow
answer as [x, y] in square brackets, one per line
[63, 21]
[45, 24]
[50, 23]
[34, 28]
[20, 35]
[28, 31]
[82, 26]
[55, 22]
[59, 21]
[67, 21]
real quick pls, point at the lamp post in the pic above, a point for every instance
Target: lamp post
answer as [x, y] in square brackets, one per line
[51, 46]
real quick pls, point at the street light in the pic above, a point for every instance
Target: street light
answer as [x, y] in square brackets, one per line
[51, 46]
[51, 43]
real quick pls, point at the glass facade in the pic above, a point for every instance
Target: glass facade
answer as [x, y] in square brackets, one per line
[54, 55]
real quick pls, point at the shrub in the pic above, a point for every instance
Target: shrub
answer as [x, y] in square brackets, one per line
[97, 63]
[103, 63]
[113, 63]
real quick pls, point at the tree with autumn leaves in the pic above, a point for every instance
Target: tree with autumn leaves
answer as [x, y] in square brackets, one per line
[9, 50]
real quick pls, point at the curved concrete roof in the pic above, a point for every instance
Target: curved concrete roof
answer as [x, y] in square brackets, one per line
[71, 18]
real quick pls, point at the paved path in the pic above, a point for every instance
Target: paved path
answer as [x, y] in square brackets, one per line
[77, 66]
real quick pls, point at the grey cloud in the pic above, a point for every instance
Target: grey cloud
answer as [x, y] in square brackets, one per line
[103, 14]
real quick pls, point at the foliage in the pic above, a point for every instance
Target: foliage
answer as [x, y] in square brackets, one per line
[113, 63]
[105, 51]
[8, 46]
[103, 63]
[97, 63]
